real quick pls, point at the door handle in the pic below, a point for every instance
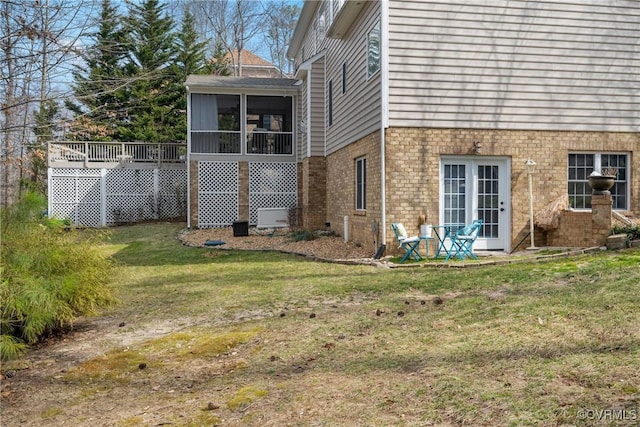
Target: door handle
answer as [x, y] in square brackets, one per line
[501, 209]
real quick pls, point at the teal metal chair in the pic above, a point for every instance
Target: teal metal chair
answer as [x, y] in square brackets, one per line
[462, 241]
[411, 245]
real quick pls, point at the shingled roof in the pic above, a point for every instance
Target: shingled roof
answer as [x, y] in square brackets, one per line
[213, 81]
[252, 64]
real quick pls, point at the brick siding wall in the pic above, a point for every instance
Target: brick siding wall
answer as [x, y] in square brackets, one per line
[413, 165]
[584, 229]
[313, 192]
[243, 191]
[413, 170]
[341, 186]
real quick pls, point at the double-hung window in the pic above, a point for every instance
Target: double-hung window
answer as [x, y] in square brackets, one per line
[361, 183]
[581, 165]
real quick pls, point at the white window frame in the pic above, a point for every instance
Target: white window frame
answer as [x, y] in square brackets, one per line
[377, 27]
[597, 166]
[361, 183]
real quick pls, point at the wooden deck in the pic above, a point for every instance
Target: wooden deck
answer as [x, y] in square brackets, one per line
[95, 154]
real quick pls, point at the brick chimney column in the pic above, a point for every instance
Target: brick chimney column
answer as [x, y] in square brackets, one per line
[243, 191]
[600, 218]
[314, 192]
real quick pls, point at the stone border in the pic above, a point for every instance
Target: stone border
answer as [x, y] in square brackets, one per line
[390, 265]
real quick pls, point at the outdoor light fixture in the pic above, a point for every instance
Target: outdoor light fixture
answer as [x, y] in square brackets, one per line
[477, 147]
[530, 168]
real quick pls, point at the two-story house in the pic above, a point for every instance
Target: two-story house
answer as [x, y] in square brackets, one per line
[435, 106]
[400, 107]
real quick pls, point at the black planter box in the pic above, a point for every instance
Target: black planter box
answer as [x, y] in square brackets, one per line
[240, 228]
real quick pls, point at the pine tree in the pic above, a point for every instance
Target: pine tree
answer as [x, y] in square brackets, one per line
[99, 92]
[190, 59]
[151, 53]
[220, 64]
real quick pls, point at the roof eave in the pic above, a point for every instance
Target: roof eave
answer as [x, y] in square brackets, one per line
[283, 85]
[306, 16]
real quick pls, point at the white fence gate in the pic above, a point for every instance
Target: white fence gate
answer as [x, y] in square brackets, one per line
[100, 197]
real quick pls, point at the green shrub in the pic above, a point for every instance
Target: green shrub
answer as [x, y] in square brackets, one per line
[51, 275]
[633, 231]
[302, 235]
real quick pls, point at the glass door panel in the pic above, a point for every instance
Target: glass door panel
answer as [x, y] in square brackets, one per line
[478, 188]
[454, 194]
[488, 200]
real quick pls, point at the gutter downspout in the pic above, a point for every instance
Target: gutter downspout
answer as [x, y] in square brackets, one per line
[188, 158]
[307, 126]
[384, 114]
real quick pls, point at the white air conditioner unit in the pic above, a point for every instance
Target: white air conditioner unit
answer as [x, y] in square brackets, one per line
[273, 217]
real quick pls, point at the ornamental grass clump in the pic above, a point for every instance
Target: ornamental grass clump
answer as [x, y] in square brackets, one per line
[51, 274]
[302, 235]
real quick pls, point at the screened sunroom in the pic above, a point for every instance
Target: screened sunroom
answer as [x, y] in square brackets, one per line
[241, 116]
[242, 152]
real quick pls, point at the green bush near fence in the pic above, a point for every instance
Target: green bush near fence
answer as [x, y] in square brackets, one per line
[51, 274]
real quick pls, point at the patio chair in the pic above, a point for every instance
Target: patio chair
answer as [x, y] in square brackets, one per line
[462, 241]
[411, 245]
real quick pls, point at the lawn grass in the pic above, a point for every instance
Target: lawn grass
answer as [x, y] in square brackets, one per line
[279, 340]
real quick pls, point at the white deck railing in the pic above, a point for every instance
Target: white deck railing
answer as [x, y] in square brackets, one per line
[116, 152]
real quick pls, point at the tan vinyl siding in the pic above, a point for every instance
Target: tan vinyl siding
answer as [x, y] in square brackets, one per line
[535, 65]
[317, 108]
[313, 40]
[358, 112]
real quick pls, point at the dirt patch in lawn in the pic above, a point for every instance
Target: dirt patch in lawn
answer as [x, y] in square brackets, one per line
[325, 247]
[186, 373]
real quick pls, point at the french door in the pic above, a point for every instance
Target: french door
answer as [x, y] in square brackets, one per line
[477, 188]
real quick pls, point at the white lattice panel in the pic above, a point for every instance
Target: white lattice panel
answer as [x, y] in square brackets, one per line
[88, 199]
[88, 190]
[218, 177]
[271, 185]
[217, 194]
[76, 198]
[272, 178]
[64, 211]
[218, 209]
[130, 181]
[88, 215]
[173, 193]
[74, 172]
[63, 190]
[130, 208]
[130, 195]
